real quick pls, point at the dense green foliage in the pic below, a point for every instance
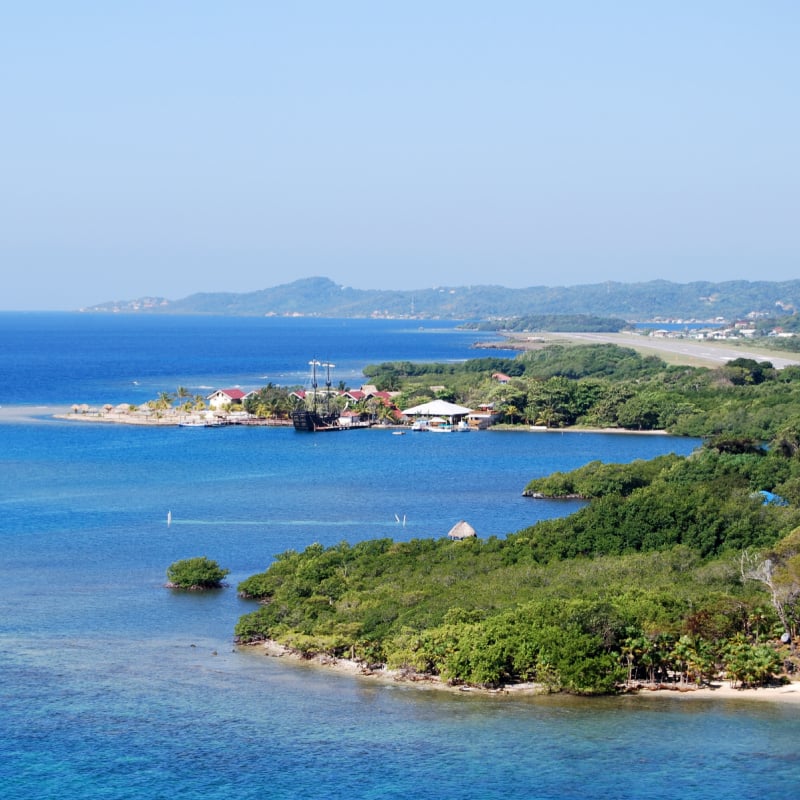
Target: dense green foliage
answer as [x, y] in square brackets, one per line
[196, 573]
[473, 367]
[552, 322]
[414, 379]
[588, 361]
[596, 479]
[710, 502]
[610, 387]
[641, 583]
[271, 401]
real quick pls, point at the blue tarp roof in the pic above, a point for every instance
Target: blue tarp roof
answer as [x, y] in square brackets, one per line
[773, 499]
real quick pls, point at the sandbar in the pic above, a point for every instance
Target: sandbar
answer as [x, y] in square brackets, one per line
[19, 413]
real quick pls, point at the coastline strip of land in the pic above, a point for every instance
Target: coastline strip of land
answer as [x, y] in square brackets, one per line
[718, 690]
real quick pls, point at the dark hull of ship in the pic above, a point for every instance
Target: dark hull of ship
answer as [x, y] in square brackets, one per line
[312, 422]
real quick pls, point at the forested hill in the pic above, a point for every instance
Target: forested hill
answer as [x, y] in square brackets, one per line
[630, 301]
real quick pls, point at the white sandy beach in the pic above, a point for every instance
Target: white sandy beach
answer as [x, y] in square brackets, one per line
[33, 414]
[788, 693]
[118, 418]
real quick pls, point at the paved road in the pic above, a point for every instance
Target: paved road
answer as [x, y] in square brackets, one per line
[675, 351]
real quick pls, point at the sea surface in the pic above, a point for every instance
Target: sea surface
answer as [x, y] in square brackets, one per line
[112, 686]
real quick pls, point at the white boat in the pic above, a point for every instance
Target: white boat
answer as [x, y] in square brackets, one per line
[448, 427]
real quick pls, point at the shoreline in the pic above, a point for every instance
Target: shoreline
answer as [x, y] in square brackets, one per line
[43, 413]
[785, 693]
[581, 429]
[46, 413]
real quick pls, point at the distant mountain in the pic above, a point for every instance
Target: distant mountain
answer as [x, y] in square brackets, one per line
[650, 300]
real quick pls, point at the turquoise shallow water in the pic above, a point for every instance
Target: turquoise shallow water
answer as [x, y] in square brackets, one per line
[113, 687]
[199, 724]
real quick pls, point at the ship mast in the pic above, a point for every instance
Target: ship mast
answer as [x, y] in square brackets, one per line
[328, 367]
[314, 364]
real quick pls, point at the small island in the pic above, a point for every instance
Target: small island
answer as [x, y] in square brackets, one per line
[196, 574]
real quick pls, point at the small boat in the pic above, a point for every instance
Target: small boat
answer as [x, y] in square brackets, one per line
[398, 433]
[448, 427]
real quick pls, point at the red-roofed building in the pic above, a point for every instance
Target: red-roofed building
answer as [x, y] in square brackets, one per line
[225, 397]
[384, 397]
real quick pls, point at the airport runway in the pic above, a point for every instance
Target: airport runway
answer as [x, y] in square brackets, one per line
[673, 351]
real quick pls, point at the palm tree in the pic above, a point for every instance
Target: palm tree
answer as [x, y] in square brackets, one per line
[385, 412]
[164, 400]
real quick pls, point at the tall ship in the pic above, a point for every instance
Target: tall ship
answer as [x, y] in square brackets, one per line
[316, 418]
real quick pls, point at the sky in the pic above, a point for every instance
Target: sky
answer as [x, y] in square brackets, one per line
[167, 148]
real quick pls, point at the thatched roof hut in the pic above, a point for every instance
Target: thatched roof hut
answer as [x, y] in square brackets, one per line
[462, 530]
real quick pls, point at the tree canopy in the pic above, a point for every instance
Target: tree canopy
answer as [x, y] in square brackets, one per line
[609, 386]
[644, 581]
[196, 573]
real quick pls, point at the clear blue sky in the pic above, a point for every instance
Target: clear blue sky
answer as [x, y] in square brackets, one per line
[165, 148]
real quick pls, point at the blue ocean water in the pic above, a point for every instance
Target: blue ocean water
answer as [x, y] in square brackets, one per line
[70, 357]
[112, 686]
